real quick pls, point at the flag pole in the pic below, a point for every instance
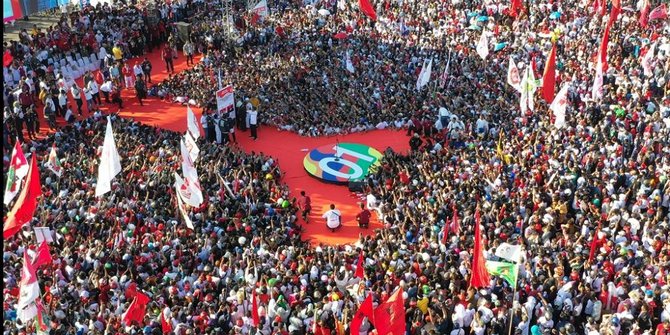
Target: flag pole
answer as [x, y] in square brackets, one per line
[511, 314]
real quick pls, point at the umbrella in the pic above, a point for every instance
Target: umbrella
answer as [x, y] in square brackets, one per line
[555, 15]
[483, 18]
[341, 36]
[499, 46]
[324, 12]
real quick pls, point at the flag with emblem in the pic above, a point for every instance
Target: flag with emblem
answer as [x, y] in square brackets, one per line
[528, 87]
[42, 322]
[53, 163]
[483, 45]
[509, 252]
[18, 169]
[29, 287]
[504, 270]
[43, 255]
[191, 146]
[390, 315]
[180, 201]
[24, 207]
[364, 310]
[191, 179]
[559, 106]
[513, 78]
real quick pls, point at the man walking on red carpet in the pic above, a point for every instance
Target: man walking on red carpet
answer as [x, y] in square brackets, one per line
[168, 55]
[305, 205]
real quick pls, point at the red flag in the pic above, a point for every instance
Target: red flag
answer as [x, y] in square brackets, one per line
[614, 12]
[644, 15]
[594, 244]
[596, 5]
[455, 226]
[137, 309]
[660, 12]
[166, 326]
[549, 77]
[367, 9]
[25, 206]
[603, 49]
[360, 269]
[516, 7]
[445, 232]
[480, 276]
[365, 309]
[43, 255]
[390, 315]
[7, 58]
[254, 308]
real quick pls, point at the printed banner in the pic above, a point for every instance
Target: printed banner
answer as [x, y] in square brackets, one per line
[225, 99]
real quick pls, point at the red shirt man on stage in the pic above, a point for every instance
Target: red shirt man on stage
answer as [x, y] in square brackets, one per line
[363, 217]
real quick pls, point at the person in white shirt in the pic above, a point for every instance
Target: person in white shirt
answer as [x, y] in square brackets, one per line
[95, 92]
[106, 89]
[62, 102]
[89, 99]
[333, 218]
[482, 126]
[374, 205]
[253, 123]
[76, 94]
[203, 122]
[137, 69]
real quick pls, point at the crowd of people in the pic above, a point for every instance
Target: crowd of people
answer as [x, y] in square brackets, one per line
[589, 202]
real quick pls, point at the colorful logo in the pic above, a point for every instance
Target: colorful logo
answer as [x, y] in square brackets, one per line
[341, 163]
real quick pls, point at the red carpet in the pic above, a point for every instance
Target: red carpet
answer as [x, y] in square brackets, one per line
[287, 148]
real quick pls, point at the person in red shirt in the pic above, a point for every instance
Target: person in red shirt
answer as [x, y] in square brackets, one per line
[363, 218]
[663, 328]
[305, 205]
[167, 55]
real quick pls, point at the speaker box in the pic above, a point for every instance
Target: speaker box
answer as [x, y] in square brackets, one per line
[356, 186]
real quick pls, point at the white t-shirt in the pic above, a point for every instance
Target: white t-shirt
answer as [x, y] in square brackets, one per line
[332, 218]
[253, 117]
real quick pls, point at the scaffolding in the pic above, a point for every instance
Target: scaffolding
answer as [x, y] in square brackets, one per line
[228, 23]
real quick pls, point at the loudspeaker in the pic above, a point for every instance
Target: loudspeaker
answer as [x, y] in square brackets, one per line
[356, 186]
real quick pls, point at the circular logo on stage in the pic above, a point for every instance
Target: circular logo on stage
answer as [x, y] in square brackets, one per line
[341, 163]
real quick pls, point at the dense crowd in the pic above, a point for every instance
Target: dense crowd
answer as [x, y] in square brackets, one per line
[589, 202]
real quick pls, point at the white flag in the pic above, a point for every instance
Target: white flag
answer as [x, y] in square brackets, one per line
[26, 313]
[513, 77]
[509, 252]
[647, 59]
[349, 65]
[445, 74]
[191, 123]
[528, 87]
[180, 202]
[597, 90]
[191, 146]
[483, 46]
[424, 76]
[53, 163]
[559, 105]
[110, 162]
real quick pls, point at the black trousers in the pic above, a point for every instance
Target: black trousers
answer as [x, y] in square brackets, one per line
[254, 131]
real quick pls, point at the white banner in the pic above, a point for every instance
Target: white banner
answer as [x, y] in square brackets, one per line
[225, 99]
[262, 8]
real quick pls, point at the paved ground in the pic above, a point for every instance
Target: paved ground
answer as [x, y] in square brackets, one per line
[42, 20]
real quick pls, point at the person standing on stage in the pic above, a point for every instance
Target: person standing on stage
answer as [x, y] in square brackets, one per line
[363, 218]
[253, 123]
[168, 55]
[333, 218]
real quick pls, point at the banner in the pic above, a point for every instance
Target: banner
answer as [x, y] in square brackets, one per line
[225, 99]
[11, 10]
[261, 8]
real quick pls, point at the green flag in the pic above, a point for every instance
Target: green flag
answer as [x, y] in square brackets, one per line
[507, 271]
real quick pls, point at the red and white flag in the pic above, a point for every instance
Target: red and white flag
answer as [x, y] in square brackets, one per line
[445, 74]
[261, 9]
[647, 60]
[513, 77]
[53, 163]
[559, 106]
[29, 287]
[191, 146]
[166, 325]
[24, 207]
[18, 169]
[225, 99]
[179, 188]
